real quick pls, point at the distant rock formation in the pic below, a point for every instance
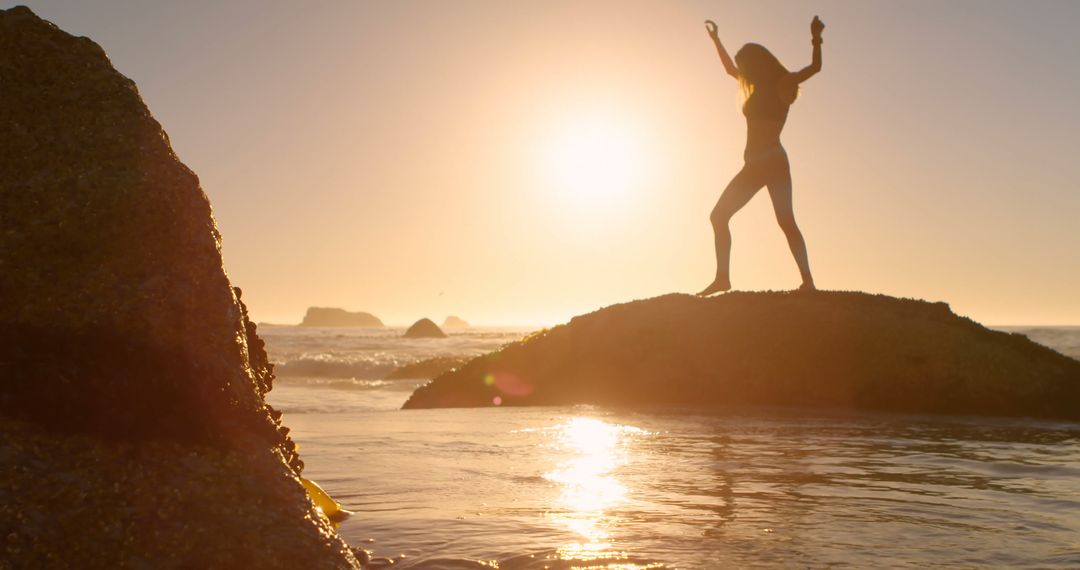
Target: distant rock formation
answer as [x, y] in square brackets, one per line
[424, 328]
[823, 349]
[453, 322]
[428, 368]
[334, 317]
[133, 422]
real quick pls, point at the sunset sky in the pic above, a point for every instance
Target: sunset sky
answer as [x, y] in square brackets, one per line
[522, 162]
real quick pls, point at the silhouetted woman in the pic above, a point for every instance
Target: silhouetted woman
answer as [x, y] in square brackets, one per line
[769, 89]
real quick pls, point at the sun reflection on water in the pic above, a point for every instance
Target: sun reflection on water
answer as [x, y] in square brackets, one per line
[592, 451]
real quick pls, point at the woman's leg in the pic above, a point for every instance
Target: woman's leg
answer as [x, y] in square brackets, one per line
[780, 192]
[738, 192]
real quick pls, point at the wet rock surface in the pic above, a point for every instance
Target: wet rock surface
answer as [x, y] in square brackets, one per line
[842, 350]
[424, 328]
[80, 501]
[334, 317]
[127, 360]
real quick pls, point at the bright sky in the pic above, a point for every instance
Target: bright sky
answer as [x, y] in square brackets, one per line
[523, 162]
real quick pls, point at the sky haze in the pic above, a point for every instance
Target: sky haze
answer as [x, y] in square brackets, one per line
[520, 163]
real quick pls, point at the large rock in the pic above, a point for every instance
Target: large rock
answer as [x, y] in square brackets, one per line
[424, 328]
[334, 317]
[132, 384]
[824, 349]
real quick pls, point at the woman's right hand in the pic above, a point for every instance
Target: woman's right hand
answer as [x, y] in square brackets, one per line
[816, 26]
[710, 26]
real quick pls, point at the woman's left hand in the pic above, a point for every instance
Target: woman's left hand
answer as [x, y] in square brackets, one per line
[816, 26]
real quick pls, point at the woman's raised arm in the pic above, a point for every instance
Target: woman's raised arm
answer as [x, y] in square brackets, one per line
[729, 66]
[816, 26]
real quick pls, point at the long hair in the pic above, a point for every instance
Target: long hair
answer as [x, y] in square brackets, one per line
[759, 69]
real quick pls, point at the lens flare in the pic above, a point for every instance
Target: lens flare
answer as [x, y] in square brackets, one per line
[508, 384]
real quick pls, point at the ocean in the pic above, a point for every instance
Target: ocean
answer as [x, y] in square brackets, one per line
[592, 487]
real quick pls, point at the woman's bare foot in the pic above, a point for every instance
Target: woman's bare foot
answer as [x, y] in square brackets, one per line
[718, 286]
[807, 285]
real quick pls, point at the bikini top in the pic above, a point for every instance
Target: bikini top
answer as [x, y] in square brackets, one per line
[766, 103]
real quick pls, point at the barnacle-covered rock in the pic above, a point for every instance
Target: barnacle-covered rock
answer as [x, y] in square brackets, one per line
[127, 361]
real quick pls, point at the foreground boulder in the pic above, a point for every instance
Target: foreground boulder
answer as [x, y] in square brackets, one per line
[334, 317]
[822, 349]
[424, 328]
[135, 431]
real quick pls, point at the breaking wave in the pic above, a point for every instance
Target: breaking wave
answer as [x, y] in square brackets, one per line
[330, 367]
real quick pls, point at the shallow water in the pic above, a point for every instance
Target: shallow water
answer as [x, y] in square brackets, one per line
[593, 487]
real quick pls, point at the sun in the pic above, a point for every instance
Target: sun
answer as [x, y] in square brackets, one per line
[596, 161]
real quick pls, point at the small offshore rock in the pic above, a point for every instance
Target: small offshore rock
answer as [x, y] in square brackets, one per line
[335, 317]
[453, 322]
[425, 328]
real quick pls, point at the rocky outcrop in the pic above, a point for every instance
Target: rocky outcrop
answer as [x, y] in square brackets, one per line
[453, 322]
[132, 383]
[334, 317]
[427, 368]
[81, 501]
[822, 349]
[424, 328]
